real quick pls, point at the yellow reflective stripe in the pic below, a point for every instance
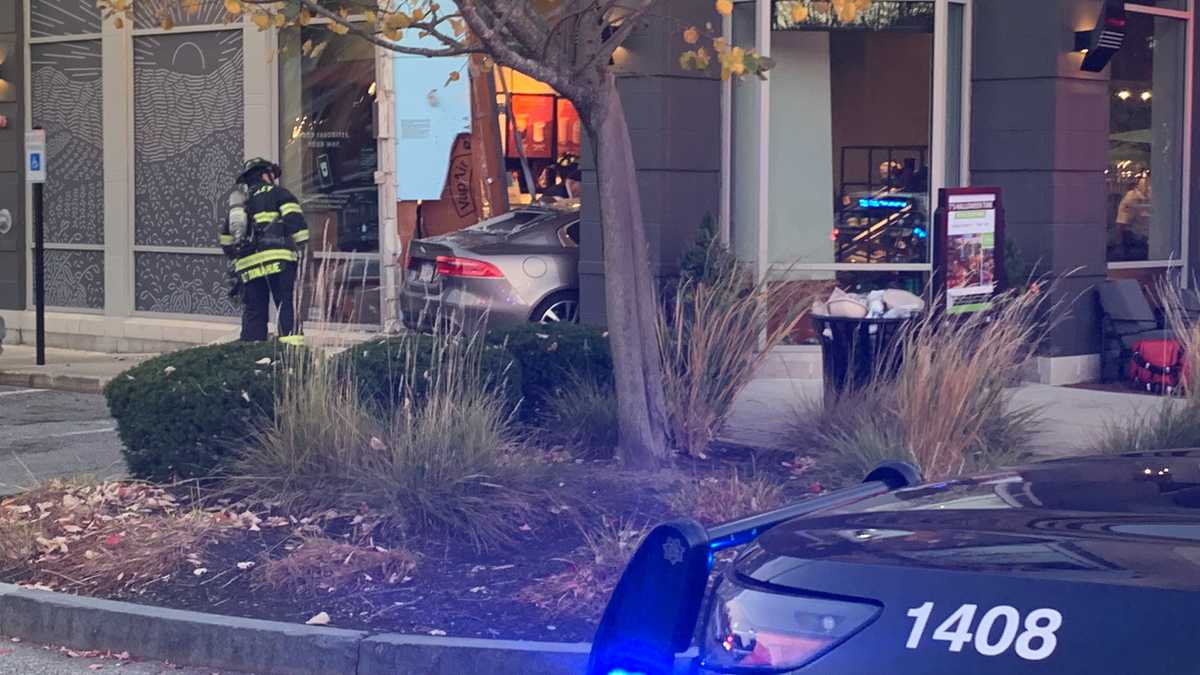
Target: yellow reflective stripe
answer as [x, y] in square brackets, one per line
[226, 239]
[290, 208]
[266, 216]
[300, 237]
[270, 255]
[265, 188]
[262, 271]
[293, 340]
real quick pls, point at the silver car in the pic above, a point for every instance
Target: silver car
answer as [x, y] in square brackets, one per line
[519, 267]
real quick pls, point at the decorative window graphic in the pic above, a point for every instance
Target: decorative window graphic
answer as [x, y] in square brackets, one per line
[63, 17]
[75, 279]
[156, 13]
[66, 101]
[182, 283]
[189, 136]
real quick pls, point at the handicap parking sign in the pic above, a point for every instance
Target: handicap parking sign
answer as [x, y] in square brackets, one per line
[35, 151]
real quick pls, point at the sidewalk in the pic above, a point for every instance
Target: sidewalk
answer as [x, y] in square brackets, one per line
[1072, 418]
[65, 370]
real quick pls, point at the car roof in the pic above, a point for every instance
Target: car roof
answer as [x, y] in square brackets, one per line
[1124, 520]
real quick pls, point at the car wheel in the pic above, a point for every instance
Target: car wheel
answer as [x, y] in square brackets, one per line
[561, 307]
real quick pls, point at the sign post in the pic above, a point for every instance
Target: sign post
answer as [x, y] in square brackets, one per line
[969, 268]
[35, 174]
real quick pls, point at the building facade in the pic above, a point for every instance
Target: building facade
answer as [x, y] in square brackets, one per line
[147, 125]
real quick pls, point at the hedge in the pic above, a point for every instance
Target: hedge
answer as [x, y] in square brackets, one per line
[548, 355]
[182, 415]
[179, 415]
[380, 366]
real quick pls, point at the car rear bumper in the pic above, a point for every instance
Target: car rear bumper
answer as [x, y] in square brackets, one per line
[422, 307]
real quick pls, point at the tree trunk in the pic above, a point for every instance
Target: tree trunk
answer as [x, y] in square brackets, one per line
[630, 296]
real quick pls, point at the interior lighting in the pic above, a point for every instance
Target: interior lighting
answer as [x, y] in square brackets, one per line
[1146, 95]
[1124, 94]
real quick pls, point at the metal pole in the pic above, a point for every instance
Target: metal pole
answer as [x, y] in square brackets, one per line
[39, 271]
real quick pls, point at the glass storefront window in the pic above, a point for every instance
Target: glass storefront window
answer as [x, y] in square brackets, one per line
[1144, 175]
[849, 154]
[329, 152]
[329, 156]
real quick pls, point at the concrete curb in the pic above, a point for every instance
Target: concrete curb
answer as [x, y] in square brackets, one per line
[78, 384]
[267, 647]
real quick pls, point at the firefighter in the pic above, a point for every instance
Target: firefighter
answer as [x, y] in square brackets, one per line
[265, 236]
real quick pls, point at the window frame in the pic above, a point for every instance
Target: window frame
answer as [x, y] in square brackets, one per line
[1184, 260]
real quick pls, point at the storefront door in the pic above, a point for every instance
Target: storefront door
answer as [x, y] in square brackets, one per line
[833, 162]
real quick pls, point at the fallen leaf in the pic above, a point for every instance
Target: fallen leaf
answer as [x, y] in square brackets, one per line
[246, 396]
[266, 360]
[525, 528]
[377, 444]
[502, 567]
[245, 565]
[437, 632]
[169, 369]
[200, 571]
[319, 619]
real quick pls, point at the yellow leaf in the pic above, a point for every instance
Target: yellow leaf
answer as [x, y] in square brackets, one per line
[691, 35]
[397, 21]
[118, 23]
[303, 17]
[339, 28]
[703, 60]
[453, 77]
[167, 23]
[392, 34]
[233, 6]
[799, 13]
[418, 14]
[316, 51]
[263, 21]
[687, 60]
[724, 7]
[120, 5]
[370, 16]
[306, 47]
[191, 6]
[460, 28]
[280, 21]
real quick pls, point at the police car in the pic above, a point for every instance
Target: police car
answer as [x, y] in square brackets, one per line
[1085, 565]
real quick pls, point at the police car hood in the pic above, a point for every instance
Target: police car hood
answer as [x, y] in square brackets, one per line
[1129, 521]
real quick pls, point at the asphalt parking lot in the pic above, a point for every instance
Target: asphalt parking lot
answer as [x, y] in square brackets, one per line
[45, 433]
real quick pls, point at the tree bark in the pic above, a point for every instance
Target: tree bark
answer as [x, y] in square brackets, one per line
[629, 286]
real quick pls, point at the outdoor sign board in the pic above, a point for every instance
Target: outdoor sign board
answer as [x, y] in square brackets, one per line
[969, 254]
[35, 156]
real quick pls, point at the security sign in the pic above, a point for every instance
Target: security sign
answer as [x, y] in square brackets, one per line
[35, 156]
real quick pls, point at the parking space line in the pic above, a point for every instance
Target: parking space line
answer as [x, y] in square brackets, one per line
[81, 433]
[21, 391]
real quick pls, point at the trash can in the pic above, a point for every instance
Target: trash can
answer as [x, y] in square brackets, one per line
[854, 351]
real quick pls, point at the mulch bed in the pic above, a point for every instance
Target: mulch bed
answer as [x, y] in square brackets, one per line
[454, 588]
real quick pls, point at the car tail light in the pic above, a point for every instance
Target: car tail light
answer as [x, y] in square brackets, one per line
[750, 629]
[450, 266]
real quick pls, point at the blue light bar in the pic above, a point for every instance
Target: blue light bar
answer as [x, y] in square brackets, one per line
[882, 203]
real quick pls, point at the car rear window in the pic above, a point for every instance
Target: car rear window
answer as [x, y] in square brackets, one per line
[510, 223]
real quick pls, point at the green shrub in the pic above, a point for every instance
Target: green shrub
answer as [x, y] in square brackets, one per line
[181, 414]
[583, 416]
[382, 369]
[548, 356]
